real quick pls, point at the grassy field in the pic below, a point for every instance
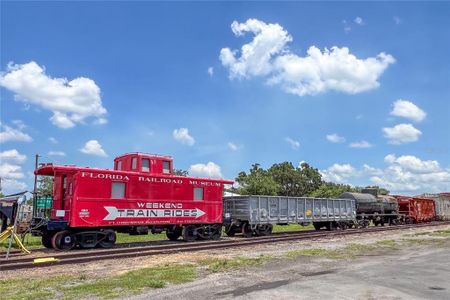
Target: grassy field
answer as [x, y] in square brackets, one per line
[33, 242]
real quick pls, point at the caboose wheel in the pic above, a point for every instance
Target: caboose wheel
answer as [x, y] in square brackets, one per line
[63, 240]
[189, 233]
[174, 234]
[109, 239]
[47, 240]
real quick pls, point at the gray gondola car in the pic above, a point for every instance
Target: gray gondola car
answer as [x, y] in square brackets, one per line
[255, 215]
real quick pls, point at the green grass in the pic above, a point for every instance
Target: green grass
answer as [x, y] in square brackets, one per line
[75, 287]
[349, 251]
[291, 227]
[33, 242]
[218, 265]
[440, 233]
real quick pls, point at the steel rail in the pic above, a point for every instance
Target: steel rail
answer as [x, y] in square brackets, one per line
[116, 253]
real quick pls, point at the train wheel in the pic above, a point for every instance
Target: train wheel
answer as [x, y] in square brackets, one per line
[63, 240]
[217, 232]
[174, 234]
[109, 239]
[189, 233]
[229, 230]
[247, 230]
[47, 240]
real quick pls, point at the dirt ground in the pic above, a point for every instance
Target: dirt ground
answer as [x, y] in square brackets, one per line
[414, 273]
[415, 270]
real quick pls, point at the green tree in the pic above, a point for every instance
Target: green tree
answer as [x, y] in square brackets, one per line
[332, 190]
[45, 186]
[257, 182]
[180, 172]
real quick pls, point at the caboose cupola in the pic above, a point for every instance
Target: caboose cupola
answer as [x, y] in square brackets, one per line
[146, 163]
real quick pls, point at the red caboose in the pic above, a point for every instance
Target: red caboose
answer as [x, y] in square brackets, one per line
[140, 194]
[416, 210]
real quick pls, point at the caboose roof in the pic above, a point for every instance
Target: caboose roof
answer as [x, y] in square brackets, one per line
[51, 169]
[146, 155]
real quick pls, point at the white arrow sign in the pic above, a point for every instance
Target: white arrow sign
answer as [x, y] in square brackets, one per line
[114, 213]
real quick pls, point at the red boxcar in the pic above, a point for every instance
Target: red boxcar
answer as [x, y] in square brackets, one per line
[416, 210]
[141, 193]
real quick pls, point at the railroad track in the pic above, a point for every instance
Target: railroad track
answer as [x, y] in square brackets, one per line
[76, 257]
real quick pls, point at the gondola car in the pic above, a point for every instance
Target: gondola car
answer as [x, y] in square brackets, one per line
[90, 205]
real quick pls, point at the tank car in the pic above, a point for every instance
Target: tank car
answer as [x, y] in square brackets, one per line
[378, 210]
[140, 194]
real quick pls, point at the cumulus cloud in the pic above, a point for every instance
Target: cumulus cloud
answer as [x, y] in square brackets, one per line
[182, 135]
[210, 71]
[53, 140]
[11, 170]
[71, 102]
[210, 170]
[408, 110]
[339, 173]
[56, 153]
[318, 72]
[401, 134]
[93, 147]
[409, 173]
[361, 144]
[295, 145]
[335, 138]
[10, 134]
[403, 174]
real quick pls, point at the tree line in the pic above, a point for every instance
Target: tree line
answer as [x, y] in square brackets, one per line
[283, 179]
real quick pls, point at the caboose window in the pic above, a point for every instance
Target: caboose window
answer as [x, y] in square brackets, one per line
[134, 163]
[166, 167]
[119, 165]
[145, 165]
[118, 190]
[198, 193]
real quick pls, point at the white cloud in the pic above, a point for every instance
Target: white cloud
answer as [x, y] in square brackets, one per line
[361, 144]
[182, 136]
[210, 170]
[71, 102]
[294, 144]
[335, 138]
[408, 110]
[408, 173]
[12, 156]
[397, 20]
[56, 153]
[317, 72]
[404, 174]
[233, 146]
[401, 134]
[93, 147]
[359, 21]
[210, 71]
[256, 56]
[347, 27]
[53, 140]
[11, 171]
[339, 173]
[10, 134]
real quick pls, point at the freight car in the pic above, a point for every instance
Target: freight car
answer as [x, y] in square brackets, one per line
[141, 194]
[416, 210]
[441, 203]
[379, 210]
[255, 215]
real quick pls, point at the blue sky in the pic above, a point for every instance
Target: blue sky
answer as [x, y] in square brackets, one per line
[172, 78]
